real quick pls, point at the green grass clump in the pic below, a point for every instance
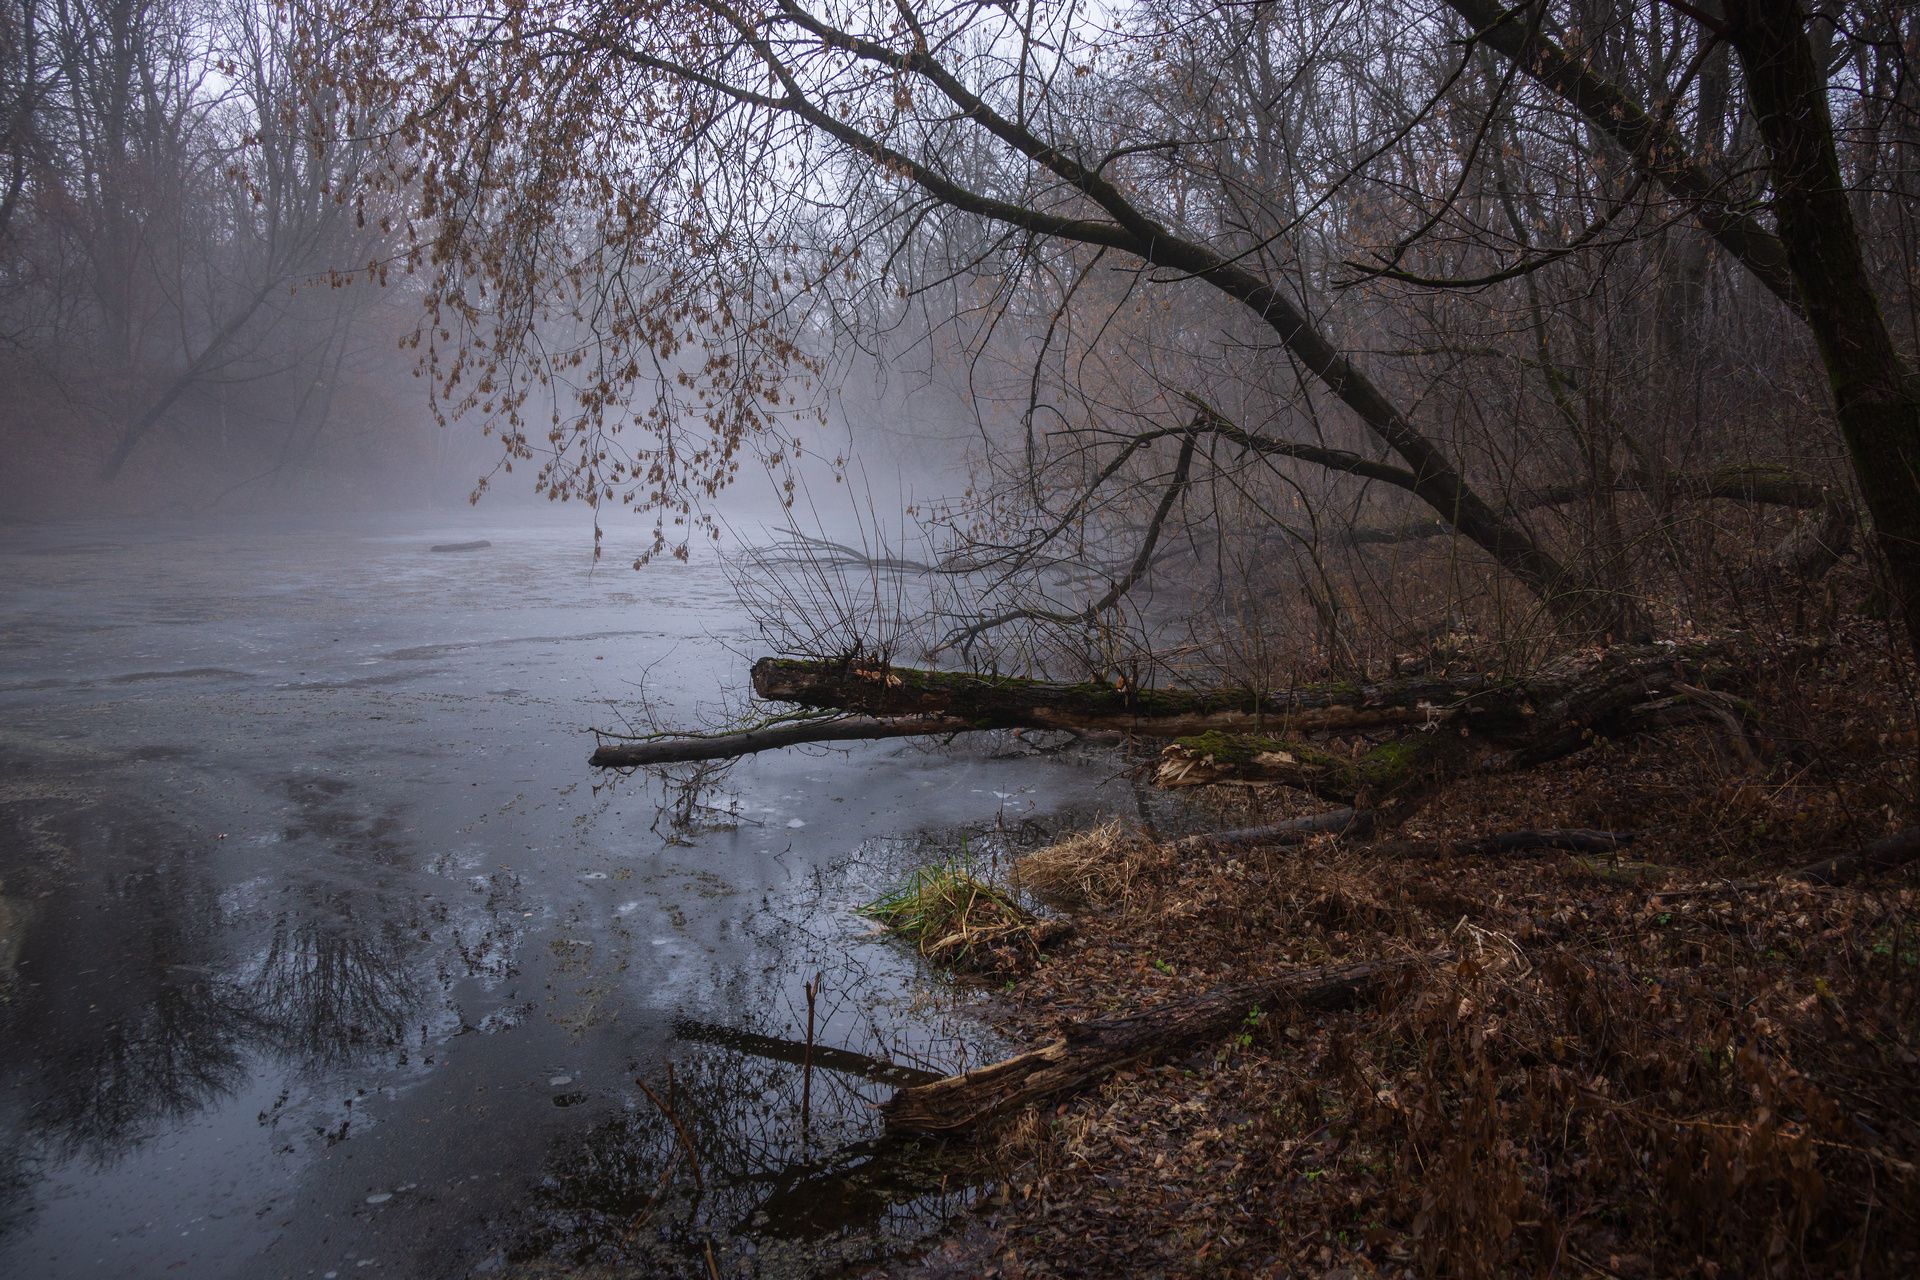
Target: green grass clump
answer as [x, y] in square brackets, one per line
[952, 916]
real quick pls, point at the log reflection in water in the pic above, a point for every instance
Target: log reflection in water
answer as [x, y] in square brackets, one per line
[623, 1193]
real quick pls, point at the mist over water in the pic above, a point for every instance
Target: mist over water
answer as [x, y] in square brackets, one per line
[322, 950]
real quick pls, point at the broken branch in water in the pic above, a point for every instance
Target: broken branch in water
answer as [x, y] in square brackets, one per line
[786, 732]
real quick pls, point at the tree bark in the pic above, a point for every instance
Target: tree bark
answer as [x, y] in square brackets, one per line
[1089, 1051]
[1874, 394]
[1003, 702]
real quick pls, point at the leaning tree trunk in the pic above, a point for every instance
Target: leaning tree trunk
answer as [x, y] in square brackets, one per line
[1874, 395]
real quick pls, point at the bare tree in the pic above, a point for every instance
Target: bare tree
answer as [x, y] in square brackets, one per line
[1246, 276]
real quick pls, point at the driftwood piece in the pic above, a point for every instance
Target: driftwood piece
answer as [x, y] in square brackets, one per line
[1089, 1051]
[680, 748]
[797, 1052]
[479, 545]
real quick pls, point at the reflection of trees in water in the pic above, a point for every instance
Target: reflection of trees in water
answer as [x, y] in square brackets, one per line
[623, 1195]
[624, 1192]
[327, 988]
[164, 1035]
[182, 1048]
[324, 991]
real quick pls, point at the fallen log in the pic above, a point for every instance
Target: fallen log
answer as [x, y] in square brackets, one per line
[1500, 707]
[1888, 854]
[1342, 822]
[682, 748]
[1089, 1051]
[479, 545]
[1006, 702]
[872, 701]
[1556, 717]
[801, 1054]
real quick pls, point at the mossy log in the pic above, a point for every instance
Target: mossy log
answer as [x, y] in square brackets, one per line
[1007, 702]
[1524, 723]
[1550, 713]
[1089, 1051]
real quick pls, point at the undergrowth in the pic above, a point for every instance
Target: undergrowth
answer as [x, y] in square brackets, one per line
[1675, 1066]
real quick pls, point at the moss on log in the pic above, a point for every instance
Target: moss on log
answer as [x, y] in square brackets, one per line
[1004, 702]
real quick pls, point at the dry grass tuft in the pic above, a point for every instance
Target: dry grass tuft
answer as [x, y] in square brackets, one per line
[1089, 868]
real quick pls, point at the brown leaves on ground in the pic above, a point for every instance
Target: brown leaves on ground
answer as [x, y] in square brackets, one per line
[1635, 1067]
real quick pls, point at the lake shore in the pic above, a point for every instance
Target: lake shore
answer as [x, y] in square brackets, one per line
[1663, 1061]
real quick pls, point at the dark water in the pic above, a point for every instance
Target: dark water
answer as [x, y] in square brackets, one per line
[322, 952]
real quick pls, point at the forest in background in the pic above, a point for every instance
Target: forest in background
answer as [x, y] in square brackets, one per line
[1487, 437]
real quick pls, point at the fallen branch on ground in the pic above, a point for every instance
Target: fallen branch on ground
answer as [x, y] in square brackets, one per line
[1089, 1051]
[1341, 822]
[1889, 854]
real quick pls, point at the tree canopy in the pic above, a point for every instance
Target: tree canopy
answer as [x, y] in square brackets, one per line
[1303, 278]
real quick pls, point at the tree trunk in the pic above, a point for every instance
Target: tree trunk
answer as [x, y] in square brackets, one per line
[1534, 718]
[1004, 702]
[1874, 394]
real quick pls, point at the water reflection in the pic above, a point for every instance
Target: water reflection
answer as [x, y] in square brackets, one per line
[167, 1005]
[270, 892]
[181, 1049]
[717, 1158]
[329, 986]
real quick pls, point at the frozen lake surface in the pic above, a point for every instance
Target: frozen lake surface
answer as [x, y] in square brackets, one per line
[323, 953]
